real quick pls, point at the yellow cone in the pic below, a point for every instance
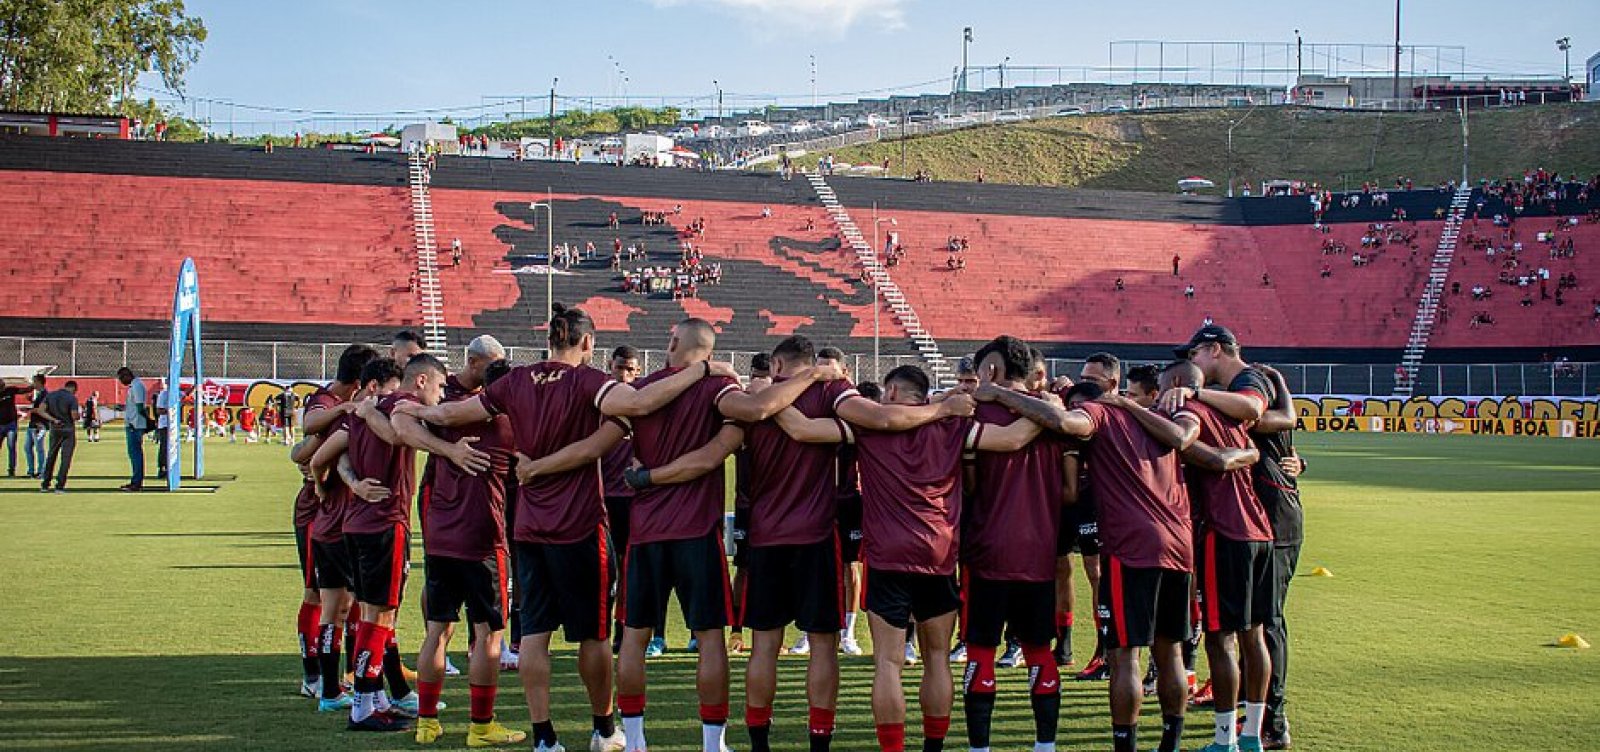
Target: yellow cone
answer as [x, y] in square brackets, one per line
[1321, 572]
[1573, 640]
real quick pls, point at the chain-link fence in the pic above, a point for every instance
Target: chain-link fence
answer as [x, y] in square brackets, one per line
[298, 361]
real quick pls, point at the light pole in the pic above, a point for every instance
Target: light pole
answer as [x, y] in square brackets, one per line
[550, 152]
[1003, 71]
[1565, 45]
[1299, 65]
[873, 273]
[1231, 126]
[1397, 50]
[549, 253]
[966, 39]
[813, 80]
[718, 87]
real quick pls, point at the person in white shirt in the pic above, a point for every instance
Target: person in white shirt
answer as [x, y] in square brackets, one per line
[136, 422]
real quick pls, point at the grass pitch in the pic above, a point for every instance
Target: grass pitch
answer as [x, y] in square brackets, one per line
[156, 622]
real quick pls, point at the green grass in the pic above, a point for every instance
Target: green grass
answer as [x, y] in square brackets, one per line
[1152, 151]
[165, 622]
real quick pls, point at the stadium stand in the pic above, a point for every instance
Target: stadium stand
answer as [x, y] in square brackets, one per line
[313, 245]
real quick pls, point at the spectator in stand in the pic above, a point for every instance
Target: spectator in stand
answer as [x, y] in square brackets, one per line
[8, 425]
[1327, 270]
[1118, 286]
[60, 411]
[1188, 292]
[455, 252]
[33, 443]
[1176, 259]
[1266, 281]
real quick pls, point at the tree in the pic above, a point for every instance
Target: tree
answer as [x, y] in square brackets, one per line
[83, 55]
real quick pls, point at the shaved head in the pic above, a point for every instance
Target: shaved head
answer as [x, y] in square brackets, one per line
[1181, 373]
[692, 339]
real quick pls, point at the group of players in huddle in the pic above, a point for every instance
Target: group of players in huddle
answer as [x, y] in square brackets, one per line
[963, 508]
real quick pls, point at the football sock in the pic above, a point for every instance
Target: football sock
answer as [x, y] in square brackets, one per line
[713, 724]
[428, 698]
[850, 625]
[978, 694]
[892, 737]
[934, 730]
[544, 732]
[758, 721]
[481, 699]
[1171, 733]
[309, 627]
[328, 656]
[1124, 738]
[1227, 731]
[605, 726]
[1254, 714]
[1044, 692]
[820, 724]
[632, 709]
[393, 671]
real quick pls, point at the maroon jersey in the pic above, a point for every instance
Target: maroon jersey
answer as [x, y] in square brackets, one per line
[394, 466]
[679, 511]
[612, 466]
[552, 405]
[466, 514]
[327, 521]
[1225, 502]
[911, 495]
[1139, 493]
[454, 391]
[793, 494]
[1011, 523]
[305, 504]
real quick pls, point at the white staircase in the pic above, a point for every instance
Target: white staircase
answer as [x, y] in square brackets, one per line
[938, 366]
[430, 299]
[1432, 294]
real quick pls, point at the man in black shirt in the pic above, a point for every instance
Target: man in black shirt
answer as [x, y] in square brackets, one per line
[33, 442]
[1258, 395]
[8, 424]
[59, 410]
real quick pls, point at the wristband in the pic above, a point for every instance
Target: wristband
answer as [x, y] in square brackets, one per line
[636, 477]
[708, 369]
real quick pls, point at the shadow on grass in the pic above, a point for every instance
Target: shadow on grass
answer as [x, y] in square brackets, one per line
[250, 702]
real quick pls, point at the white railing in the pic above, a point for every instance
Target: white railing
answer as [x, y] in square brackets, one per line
[430, 298]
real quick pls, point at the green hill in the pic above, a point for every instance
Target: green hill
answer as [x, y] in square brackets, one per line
[1151, 151]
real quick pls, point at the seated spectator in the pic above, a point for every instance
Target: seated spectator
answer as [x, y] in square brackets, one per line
[1266, 281]
[1118, 286]
[1188, 292]
[766, 212]
[1327, 271]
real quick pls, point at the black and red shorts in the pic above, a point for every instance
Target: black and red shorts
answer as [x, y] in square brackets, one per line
[449, 583]
[380, 562]
[900, 597]
[1079, 531]
[307, 554]
[989, 606]
[740, 549]
[850, 527]
[1138, 604]
[799, 584]
[566, 585]
[331, 567]
[695, 568]
[1237, 583]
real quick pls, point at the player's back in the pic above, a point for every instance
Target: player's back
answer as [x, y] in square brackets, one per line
[1225, 502]
[683, 510]
[1010, 524]
[1139, 492]
[792, 488]
[911, 495]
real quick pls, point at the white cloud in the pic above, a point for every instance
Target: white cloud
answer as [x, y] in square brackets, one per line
[834, 17]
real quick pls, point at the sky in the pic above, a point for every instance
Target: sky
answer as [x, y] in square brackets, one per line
[283, 61]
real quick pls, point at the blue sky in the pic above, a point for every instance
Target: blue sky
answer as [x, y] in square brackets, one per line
[361, 56]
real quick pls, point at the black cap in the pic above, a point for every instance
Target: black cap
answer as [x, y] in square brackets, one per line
[1207, 334]
[966, 365]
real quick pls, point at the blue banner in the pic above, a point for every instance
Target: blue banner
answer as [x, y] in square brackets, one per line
[185, 325]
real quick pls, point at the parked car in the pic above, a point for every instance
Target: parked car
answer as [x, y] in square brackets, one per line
[1009, 116]
[841, 124]
[800, 126]
[753, 128]
[877, 121]
[682, 134]
[1068, 112]
[919, 116]
[1116, 107]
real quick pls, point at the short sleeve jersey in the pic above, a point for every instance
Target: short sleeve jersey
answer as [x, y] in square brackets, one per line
[1225, 502]
[793, 496]
[680, 511]
[1010, 523]
[911, 495]
[612, 466]
[1139, 492]
[306, 507]
[131, 413]
[552, 405]
[327, 524]
[36, 398]
[1279, 493]
[466, 517]
[393, 466]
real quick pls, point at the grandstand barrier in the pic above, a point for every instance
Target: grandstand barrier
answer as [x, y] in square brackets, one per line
[1550, 429]
[236, 360]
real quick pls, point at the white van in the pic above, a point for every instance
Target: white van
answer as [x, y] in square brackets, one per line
[752, 128]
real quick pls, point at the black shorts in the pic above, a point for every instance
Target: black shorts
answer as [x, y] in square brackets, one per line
[850, 527]
[380, 562]
[1138, 605]
[741, 537]
[1237, 583]
[899, 597]
[617, 513]
[331, 568]
[988, 607]
[302, 547]
[1080, 530]
[566, 585]
[800, 584]
[696, 568]
[449, 583]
